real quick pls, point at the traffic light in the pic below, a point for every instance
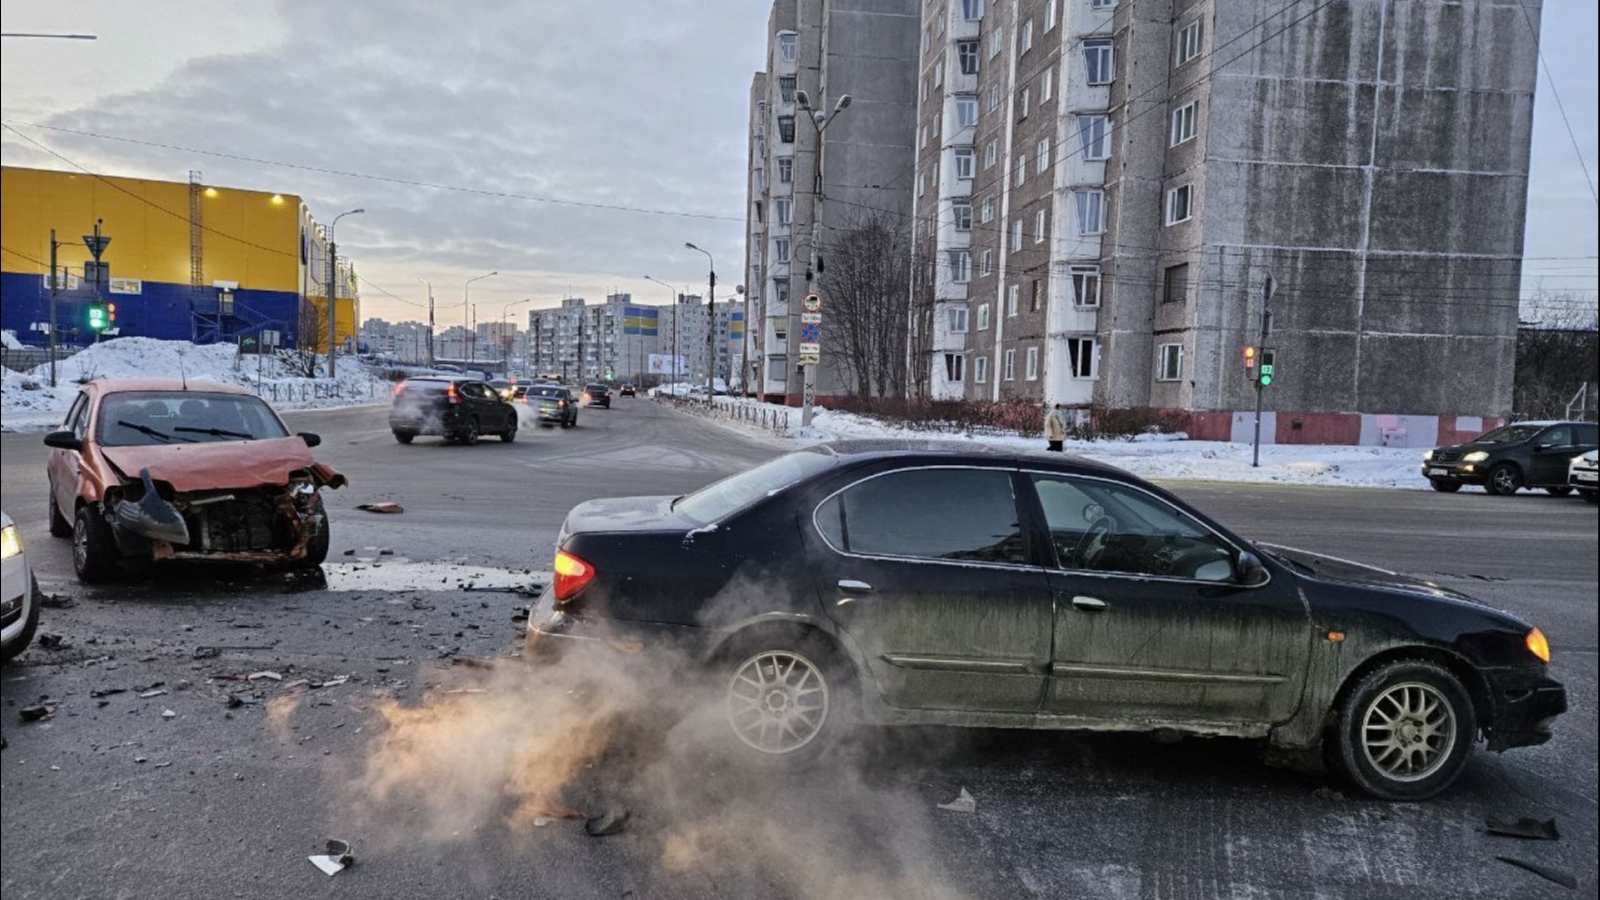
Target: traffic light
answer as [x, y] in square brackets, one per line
[111, 315]
[1268, 367]
[97, 317]
[1250, 363]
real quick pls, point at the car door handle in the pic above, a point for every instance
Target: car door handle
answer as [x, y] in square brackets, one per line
[1090, 604]
[852, 586]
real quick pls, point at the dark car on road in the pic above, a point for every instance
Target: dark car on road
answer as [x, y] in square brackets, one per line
[905, 583]
[553, 404]
[459, 409]
[628, 390]
[597, 395]
[1513, 457]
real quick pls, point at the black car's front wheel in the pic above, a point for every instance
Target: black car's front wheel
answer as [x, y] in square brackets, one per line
[404, 437]
[510, 434]
[1445, 487]
[1404, 732]
[1504, 480]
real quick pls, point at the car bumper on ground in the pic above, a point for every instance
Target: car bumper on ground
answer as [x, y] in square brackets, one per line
[1526, 704]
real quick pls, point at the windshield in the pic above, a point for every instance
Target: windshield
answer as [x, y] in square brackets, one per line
[550, 393]
[184, 417]
[714, 503]
[1510, 434]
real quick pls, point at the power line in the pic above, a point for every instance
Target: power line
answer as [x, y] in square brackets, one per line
[1551, 78]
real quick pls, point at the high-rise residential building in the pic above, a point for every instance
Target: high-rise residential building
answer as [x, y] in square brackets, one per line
[1103, 188]
[823, 50]
[619, 339]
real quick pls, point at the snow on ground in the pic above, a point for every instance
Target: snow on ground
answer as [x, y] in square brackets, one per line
[8, 339]
[28, 403]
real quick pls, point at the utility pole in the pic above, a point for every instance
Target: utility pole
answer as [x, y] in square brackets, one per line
[333, 290]
[1266, 332]
[711, 325]
[468, 316]
[430, 320]
[54, 287]
[819, 121]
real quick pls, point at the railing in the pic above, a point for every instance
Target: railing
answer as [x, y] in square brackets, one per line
[21, 360]
[308, 391]
[733, 409]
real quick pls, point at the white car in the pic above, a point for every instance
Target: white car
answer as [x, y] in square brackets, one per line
[1584, 476]
[19, 608]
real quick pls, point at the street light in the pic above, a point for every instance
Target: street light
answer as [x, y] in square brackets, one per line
[711, 325]
[333, 289]
[820, 121]
[430, 320]
[505, 344]
[673, 295]
[469, 340]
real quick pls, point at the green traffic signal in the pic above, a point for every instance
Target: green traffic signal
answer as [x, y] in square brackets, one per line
[97, 317]
[1268, 367]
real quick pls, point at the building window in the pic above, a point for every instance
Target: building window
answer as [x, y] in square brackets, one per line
[966, 163]
[1050, 15]
[986, 266]
[1093, 132]
[1022, 170]
[1183, 122]
[938, 74]
[788, 46]
[988, 210]
[994, 97]
[781, 250]
[786, 88]
[786, 129]
[922, 183]
[966, 111]
[1102, 4]
[1091, 211]
[783, 210]
[1027, 36]
[786, 170]
[995, 38]
[1097, 61]
[1169, 365]
[969, 55]
[1031, 372]
[960, 266]
[1011, 365]
[1023, 102]
[1042, 156]
[1047, 86]
[780, 292]
[1180, 204]
[991, 154]
[1040, 225]
[1035, 295]
[1083, 360]
[1189, 40]
[980, 370]
[955, 365]
[961, 212]
[761, 215]
[957, 318]
[983, 317]
[1016, 235]
[972, 10]
[1175, 284]
[1012, 294]
[1085, 286]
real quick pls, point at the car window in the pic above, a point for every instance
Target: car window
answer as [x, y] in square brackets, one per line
[946, 514]
[1560, 436]
[1587, 434]
[1509, 434]
[77, 420]
[154, 418]
[1102, 526]
[715, 502]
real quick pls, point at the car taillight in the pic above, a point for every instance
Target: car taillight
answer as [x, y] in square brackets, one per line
[399, 388]
[451, 396]
[572, 576]
[1539, 645]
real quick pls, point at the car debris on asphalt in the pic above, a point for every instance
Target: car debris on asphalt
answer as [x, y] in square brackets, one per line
[36, 713]
[1526, 827]
[336, 860]
[610, 822]
[388, 507]
[964, 803]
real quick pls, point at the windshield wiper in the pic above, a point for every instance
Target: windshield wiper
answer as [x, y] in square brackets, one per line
[215, 432]
[1308, 569]
[146, 429]
[674, 504]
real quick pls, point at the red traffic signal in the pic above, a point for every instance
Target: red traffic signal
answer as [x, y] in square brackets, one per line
[111, 312]
[1250, 359]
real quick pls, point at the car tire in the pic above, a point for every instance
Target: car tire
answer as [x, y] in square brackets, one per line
[1504, 480]
[59, 526]
[404, 437]
[806, 672]
[469, 435]
[1591, 496]
[1445, 487]
[510, 434]
[94, 549]
[29, 627]
[1558, 491]
[1425, 710]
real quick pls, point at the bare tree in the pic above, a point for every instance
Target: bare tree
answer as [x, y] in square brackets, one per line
[1558, 352]
[868, 286]
[920, 317]
[304, 361]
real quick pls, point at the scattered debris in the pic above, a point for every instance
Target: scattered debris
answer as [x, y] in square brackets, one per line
[1558, 876]
[964, 803]
[388, 507]
[542, 821]
[557, 811]
[106, 692]
[36, 713]
[168, 714]
[472, 662]
[153, 692]
[140, 760]
[1328, 795]
[57, 601]
[611, 822]
[1524, 827]
[385, 552]
[350, 552]
[214, 652]
[331, 682]
[163, 765]
[264, 676]
[53, 642]
[336, 860]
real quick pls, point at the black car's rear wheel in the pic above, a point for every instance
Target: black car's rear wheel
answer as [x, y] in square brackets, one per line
[1405, 731]
[469, 433]
[782, 698]
[1504, 480]
[1558, 491]
[94, 550]
[1445, 487]
[404, 437]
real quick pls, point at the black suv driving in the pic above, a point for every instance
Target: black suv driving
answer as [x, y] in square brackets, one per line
[457, 408]
[1512, 457]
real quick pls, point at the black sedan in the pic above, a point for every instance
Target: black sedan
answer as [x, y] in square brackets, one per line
[457, 408]
[597, 395]
[1510, 458]
[897, 583]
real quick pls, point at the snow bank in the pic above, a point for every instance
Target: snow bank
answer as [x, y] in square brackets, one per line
[8, 340]
[27, 403]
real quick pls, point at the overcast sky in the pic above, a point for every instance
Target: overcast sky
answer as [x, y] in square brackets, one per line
[615, 103]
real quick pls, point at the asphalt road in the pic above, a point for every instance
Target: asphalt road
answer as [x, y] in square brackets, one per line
[445, 796]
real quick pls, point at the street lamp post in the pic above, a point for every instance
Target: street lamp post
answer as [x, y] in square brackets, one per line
[468, 341]
[430, 320]
[711, 325]
[333, 289]
[820, 121]
[505, 342]
[672, 294]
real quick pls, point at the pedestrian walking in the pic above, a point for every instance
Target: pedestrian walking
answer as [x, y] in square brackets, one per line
[1055, 429]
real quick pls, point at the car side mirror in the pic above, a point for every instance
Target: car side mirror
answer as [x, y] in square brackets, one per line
[1249, 571]
[312, 440]
[63, 440]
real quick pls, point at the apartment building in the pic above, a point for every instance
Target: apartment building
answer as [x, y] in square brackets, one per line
[823, 50]
[1102, 227]
[585, 342]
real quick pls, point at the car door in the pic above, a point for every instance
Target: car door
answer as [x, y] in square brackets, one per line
[928, 573]
[1150, 626]
[62, 466]
[1550, 454]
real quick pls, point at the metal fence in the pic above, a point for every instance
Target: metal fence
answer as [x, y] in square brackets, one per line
[26, 358]
[734, 409]
[308, 391]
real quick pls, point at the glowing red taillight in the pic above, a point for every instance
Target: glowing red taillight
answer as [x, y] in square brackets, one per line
[451, 396]
[399, 388]
[572, 576]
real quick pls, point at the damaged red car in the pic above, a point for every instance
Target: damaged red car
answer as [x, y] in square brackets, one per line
[158, 469]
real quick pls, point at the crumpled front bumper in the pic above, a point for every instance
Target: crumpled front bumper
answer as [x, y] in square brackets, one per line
[1526, 704]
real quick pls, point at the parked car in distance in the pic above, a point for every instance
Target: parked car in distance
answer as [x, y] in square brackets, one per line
[502, 387]
[1584, 476]
[19, 606]
[554, 405]
[160, 469]
[458, 409]
[628, 390]
[597, 395]
[935, 584]
[1512, 457]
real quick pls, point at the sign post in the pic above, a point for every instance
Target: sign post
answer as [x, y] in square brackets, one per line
[1264, 378]
[810, 352]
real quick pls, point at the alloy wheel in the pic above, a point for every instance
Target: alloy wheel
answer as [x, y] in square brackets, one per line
[778, 702]
[80, 544]
[1408, 731]
[1505, 479]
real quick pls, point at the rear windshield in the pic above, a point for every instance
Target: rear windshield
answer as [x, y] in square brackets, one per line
[547, 392]
[431, 387]
[155, 418]
[596, 387]
[716, 502]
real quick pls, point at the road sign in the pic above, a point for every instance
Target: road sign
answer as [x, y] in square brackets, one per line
[810, 359]
[812, 303]
[810, 334]
[96, 244]
[810, 348]
[810, 318]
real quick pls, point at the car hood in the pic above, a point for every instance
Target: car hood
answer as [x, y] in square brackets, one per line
[1344, 571]
[220, 465]
[622, 514]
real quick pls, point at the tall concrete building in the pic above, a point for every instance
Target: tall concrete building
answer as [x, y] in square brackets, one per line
[634, 341]
[823, 49]
[1104, 187]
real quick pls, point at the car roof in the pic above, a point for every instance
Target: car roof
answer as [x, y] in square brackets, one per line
[865, 450]
[129, 385]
